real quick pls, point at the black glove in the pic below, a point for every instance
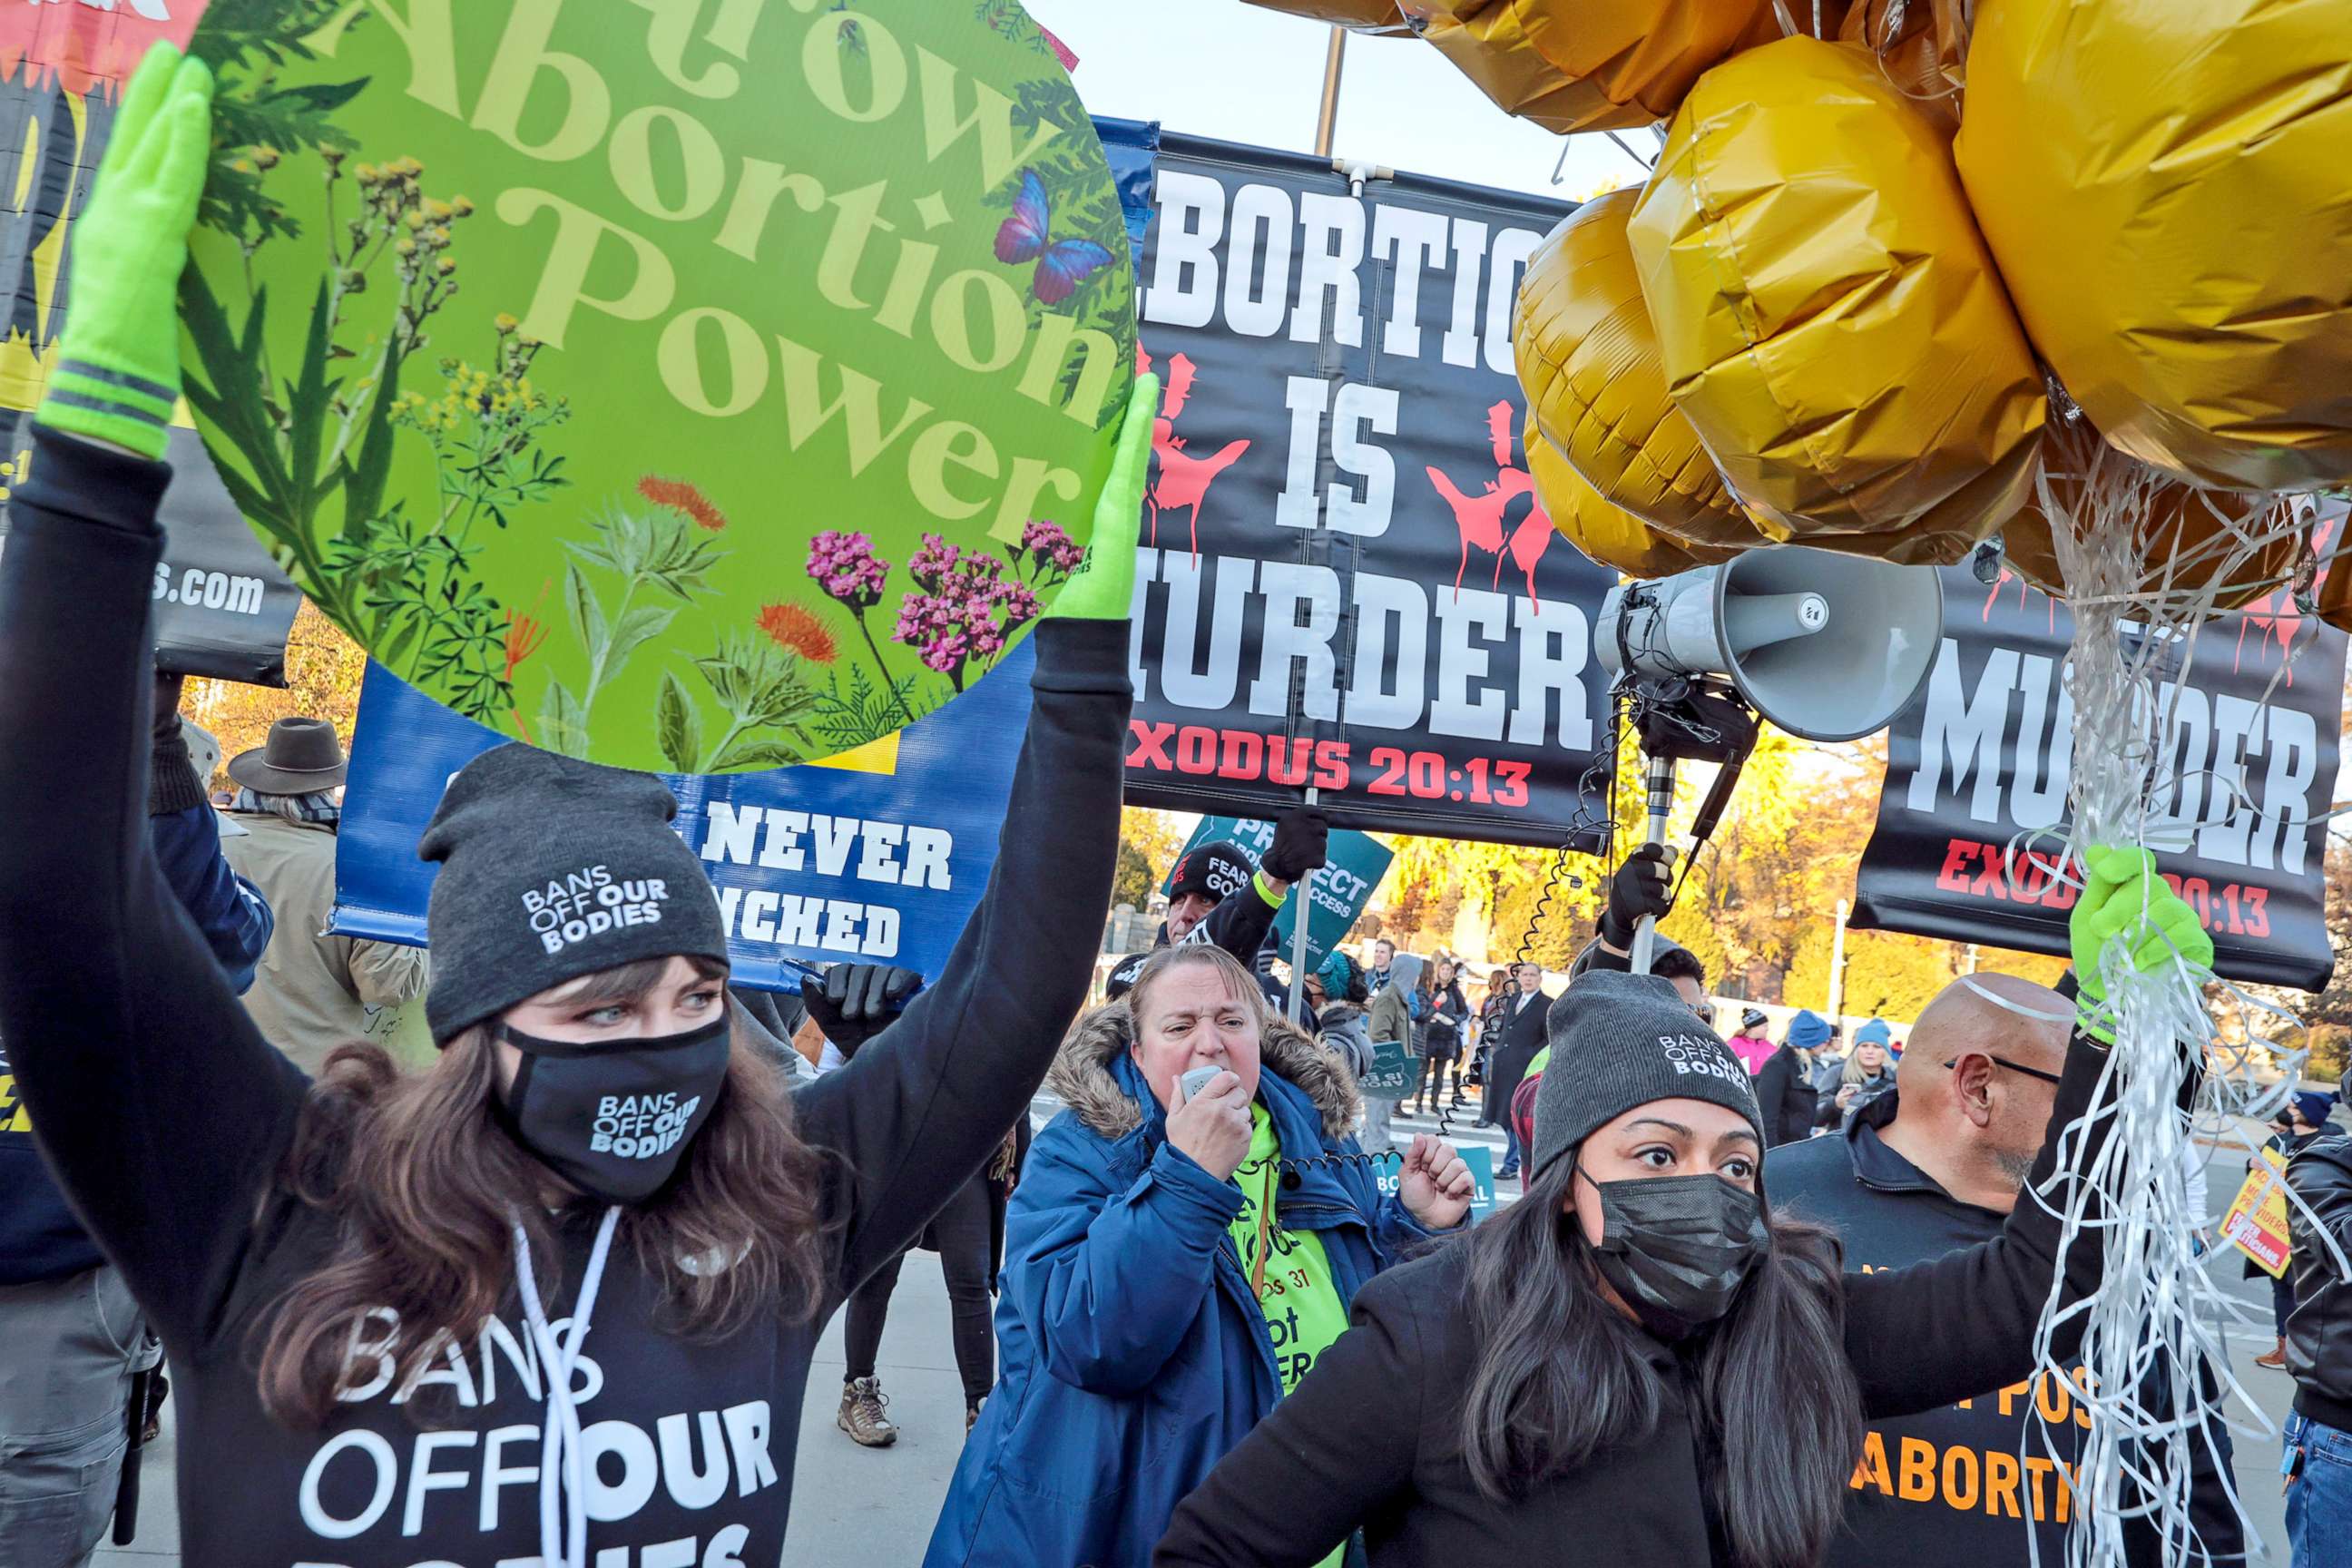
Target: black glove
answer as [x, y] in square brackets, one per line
[1302, 842]
[855, 1002]
[171, 783]
[1643, 886]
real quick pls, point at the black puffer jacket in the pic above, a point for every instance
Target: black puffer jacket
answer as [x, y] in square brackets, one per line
[1785, 1091]
[2319, 1333]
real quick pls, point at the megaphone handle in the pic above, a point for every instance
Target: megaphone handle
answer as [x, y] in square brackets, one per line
[1660, 786]
[1645, 944]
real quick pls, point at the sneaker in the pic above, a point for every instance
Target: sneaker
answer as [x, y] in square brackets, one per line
[862, 1402]
[1508, 1174]
[2276, 1360]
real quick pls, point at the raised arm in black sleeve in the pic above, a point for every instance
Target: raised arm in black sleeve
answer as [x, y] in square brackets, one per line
[158, 1102]
[929, 1099]
[1341, 1445]
[1240, 924]
[1937, 1332]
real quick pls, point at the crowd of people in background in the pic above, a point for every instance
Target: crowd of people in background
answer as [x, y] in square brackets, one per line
[1051, 1249]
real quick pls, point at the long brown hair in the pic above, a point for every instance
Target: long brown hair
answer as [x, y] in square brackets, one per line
[427, 1186]
[1560, 1376]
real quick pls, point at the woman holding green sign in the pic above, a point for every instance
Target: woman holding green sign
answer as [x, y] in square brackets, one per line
[555, 1298]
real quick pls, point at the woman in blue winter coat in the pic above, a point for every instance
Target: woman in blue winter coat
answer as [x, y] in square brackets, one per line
[1173, 1267]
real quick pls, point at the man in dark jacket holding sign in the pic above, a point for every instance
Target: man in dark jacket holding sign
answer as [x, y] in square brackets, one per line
[1216, 895]
[1932, 1166]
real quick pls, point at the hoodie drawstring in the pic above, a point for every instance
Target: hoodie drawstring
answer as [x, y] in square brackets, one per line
[562, 1464]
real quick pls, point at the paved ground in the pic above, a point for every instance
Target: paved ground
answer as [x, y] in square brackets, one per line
[874, 1507]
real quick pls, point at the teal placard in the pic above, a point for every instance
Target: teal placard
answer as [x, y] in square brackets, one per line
[1395, 1070]
[1337, 894]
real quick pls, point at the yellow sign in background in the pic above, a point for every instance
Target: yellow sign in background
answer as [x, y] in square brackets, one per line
[2256, 1223]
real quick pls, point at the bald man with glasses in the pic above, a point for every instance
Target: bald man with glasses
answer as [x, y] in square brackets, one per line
[1932, 1165]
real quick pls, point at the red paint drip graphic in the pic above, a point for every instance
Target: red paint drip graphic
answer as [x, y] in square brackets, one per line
[1479, 519]
[82, 44]
[1179, 481]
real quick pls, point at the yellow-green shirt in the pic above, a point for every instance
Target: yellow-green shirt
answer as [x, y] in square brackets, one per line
[1303, 1309]
[1304, 1313]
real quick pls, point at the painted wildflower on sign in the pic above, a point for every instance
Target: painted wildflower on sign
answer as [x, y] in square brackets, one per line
[619, 406]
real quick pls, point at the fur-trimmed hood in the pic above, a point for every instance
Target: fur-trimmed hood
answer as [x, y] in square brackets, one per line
[1082, 1074]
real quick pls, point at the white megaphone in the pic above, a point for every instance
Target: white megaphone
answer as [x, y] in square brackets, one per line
[1825, 645]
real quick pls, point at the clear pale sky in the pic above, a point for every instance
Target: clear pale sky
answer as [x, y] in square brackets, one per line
[1219, 67]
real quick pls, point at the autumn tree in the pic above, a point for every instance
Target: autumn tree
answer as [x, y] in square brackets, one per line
[1758, 905]
[323, 667]
[1149, 843]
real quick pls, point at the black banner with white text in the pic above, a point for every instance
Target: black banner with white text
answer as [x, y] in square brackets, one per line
[1987, 754]
[223, 607]
[1346, 579]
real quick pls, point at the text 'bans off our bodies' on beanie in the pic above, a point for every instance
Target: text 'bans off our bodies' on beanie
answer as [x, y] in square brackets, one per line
[552, 868]
[1621, 1040]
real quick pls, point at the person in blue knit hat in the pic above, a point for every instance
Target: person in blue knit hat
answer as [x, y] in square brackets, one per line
[1784, 1087]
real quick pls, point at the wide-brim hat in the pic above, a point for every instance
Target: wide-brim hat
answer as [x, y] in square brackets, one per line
[301, 757]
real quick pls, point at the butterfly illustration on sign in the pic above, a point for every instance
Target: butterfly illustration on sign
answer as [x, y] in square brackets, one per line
[1027, 236]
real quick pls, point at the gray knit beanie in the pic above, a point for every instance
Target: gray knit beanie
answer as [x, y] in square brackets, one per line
[1621, 1040]
[552, 868]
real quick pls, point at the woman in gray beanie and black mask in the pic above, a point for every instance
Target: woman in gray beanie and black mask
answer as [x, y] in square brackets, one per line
[1638, 1362]
[554, 1299]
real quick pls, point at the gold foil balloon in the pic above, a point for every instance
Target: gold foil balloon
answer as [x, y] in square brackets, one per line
[1920, 47]
[1598, 526]
[1827, 315]
[1591, 64]
[1589, 363]
[1357, 16]
[2168, 188]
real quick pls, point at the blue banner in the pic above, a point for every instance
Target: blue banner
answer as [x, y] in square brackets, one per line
[877, 856]
[1130, 146]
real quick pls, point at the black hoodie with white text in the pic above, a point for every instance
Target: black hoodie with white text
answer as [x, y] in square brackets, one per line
[168, 1118]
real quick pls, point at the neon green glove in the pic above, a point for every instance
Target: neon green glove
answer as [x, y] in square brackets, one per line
[2125, 899]
[118, 372]
[1104, 589]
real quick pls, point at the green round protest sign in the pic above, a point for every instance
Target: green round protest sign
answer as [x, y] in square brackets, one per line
[689, 385]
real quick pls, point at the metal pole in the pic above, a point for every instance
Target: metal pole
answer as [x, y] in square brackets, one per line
[1661, 804]
[1299, 931]
[1837, 967]
[1327, 125]
[1327, 122]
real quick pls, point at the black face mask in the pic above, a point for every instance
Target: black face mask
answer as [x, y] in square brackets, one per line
[614, 1120]
[1678, 1249]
